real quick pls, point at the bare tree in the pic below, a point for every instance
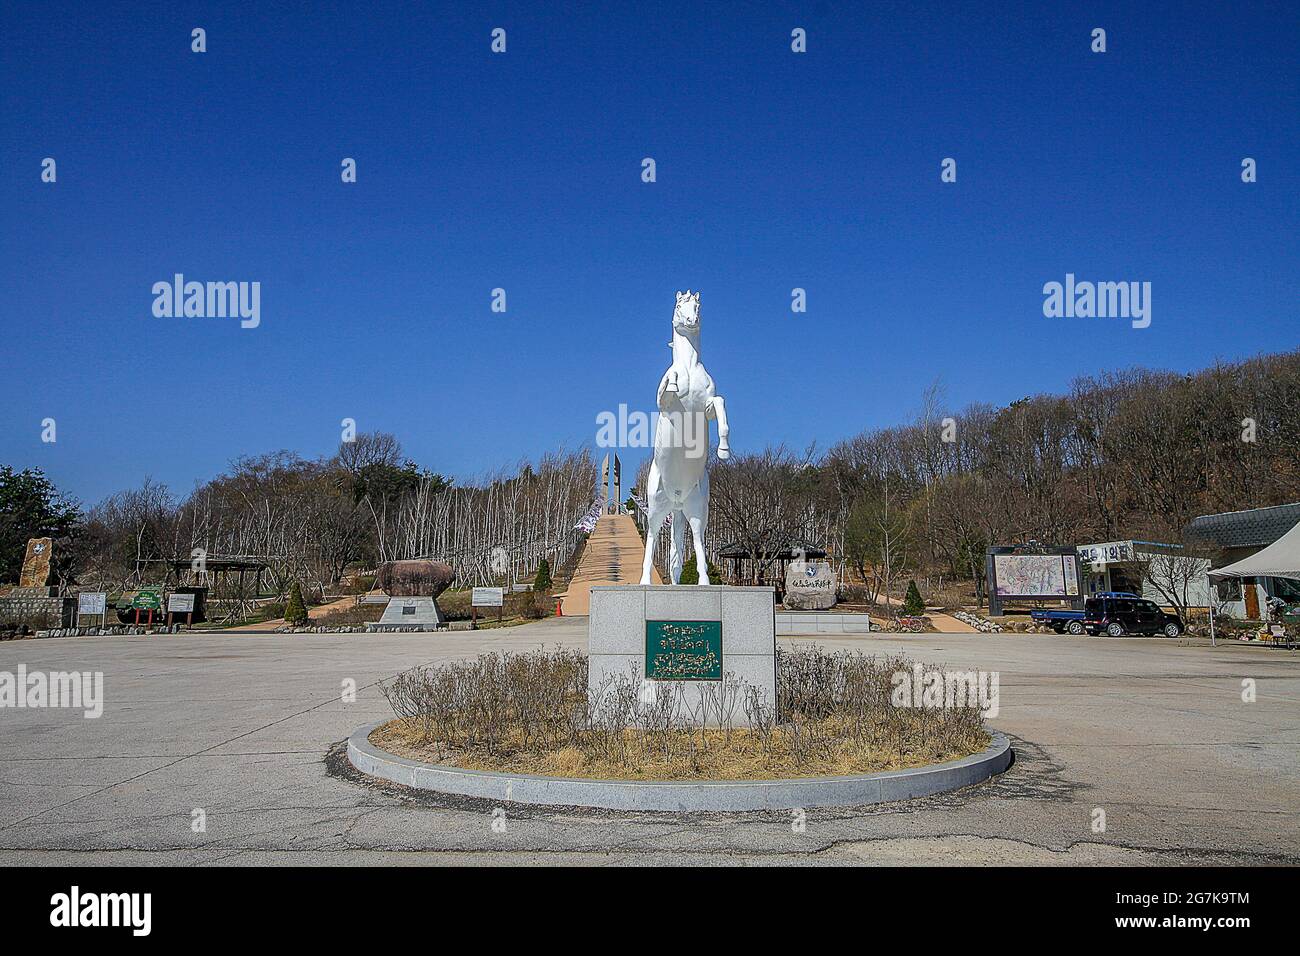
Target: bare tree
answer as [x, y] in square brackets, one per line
[132, 532]
[1179, 578]
[879, 539]
[766, 503]
[368, 449]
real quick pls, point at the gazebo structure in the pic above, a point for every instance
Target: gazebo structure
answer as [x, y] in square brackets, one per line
[749, 564]
[214, 571]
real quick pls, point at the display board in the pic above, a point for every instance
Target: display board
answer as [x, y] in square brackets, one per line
[180, 603]
[1036, 575]
[147, 600]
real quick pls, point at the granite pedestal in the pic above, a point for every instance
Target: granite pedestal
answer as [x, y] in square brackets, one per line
[689, 633]
[409, 614]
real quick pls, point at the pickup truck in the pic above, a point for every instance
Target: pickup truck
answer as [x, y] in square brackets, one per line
[1071, 622]
[1062, 622]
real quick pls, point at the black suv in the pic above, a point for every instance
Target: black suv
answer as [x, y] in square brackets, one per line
[1119, 614]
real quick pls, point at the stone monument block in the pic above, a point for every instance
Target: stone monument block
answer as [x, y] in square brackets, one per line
[36, 563]
[689, 633]
[809, 586]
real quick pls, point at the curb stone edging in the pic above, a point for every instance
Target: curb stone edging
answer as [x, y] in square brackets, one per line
[680, 796]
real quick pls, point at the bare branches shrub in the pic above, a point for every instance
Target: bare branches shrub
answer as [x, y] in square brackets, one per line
[534, 712]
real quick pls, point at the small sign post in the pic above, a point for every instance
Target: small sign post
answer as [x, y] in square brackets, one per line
[146, 600]
[487, 597]
[180, 604]
[90, 603]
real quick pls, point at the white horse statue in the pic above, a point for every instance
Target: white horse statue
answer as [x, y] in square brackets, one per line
[678, 482]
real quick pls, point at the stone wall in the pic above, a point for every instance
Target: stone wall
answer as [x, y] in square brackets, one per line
[37, 612]
[115, 631]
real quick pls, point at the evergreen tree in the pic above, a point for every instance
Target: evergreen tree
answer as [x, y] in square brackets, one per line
[691, 572]
[912, 604]
[542, 582]
[295, 612]
[30, 507]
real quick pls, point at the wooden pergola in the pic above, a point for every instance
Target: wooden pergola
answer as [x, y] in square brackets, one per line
[216, 570]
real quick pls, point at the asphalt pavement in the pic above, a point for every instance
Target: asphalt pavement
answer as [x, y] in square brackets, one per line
[243, 734]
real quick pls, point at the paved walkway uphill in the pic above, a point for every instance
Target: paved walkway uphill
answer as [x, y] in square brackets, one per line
[612, 556]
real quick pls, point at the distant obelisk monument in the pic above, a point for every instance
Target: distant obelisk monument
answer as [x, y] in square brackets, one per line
[618, 485]
[611, 481]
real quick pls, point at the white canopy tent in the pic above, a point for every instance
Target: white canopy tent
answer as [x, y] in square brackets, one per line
[1281, 559]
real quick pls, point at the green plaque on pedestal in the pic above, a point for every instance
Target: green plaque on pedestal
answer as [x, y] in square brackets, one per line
[683, 650]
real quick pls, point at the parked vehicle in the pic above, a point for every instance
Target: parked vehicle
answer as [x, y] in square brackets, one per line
[1116, 614]
[1062, 622]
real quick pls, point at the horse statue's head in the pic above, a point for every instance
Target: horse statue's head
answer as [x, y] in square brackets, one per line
[686, 316]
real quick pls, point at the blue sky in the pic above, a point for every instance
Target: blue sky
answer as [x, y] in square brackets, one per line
[523, 171]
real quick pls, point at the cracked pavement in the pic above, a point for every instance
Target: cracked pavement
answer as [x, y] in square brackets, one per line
[248, 728]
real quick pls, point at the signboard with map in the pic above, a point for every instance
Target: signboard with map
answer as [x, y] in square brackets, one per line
[1036, 575]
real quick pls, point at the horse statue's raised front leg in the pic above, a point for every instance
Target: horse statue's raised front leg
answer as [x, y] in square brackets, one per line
[666, 395]
[718, 409]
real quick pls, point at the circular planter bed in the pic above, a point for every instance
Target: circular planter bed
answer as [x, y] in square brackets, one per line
[680, 795]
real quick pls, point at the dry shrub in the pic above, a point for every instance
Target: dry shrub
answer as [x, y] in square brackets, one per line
[480, 705]
[356, 614]
[533, 713]
[530, 606]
